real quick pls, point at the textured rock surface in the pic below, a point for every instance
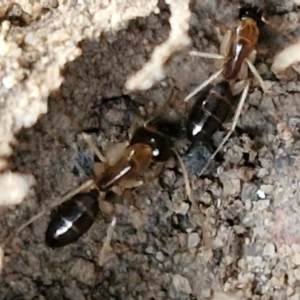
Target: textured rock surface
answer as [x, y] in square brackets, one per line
[239, 240]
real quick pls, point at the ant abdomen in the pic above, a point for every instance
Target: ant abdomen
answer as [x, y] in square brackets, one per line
[72, 219]
[209, 111]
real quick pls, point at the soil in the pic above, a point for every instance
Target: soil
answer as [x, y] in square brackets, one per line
[239, 239]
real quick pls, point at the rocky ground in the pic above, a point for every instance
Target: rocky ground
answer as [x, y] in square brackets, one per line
[239, 239]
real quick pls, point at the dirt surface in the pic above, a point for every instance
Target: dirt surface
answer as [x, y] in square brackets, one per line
[239, 240]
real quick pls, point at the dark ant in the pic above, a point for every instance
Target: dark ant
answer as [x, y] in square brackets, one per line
[237, 50]
[237, 53]
[124, 166]
[210, 111]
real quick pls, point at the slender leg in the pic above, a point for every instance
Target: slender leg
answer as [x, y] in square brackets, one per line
[225, 43]
[234, 123]
[238, 87]
[257, 76]
[185, 176]
[212, 78]
[86, 185]
[114, 152]
[206, 55]
[93, 148]
[106, 244]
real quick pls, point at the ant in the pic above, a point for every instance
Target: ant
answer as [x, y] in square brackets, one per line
[237, 51]
[125, 166]
[209, 112]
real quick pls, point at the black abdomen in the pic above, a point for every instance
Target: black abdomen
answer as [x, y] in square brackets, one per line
[72, 219]
[209, 111]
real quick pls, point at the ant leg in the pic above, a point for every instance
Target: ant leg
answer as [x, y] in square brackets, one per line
[106, 244]
[206, 55]
[257, 76]
[234, 123]
[185, 176]
[238, 87]
[86, 185]
[93, 148]
[212, 78]
[114, 152]
[224, 47]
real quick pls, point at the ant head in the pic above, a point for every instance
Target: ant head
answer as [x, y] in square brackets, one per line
[253, 12]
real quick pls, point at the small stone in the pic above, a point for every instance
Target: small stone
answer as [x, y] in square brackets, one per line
[181, 284]
[232, 187]
[284, 250]
[249, 191]
[296, 259]
[206, 199]
[295, 297]
[289, 291]
[83, 270]
[262, 173]
[291, 278]
[284, 131]
[193, 240]
[106, 207]
[150, 250]
[275, 282]
[295, 248]
[261, 194]
[160, 256]
[206, 293]
[267, 188]
[248, 205]
[238, 229]
[297, 274]
[269, 250]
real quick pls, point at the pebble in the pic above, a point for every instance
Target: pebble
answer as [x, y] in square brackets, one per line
[232, 187]
[193, 240]
[296, 259]
[206, 198]
[181, 284]
[160, 256]
[261, 194]
[269, 250]
[83, 271]
[150, 250]
[249, 191]
[297, 274]
[267, 188]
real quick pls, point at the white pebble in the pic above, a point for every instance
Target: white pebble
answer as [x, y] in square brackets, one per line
[261, 194]
[160, 256]
[269, 250]
[193, 240]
